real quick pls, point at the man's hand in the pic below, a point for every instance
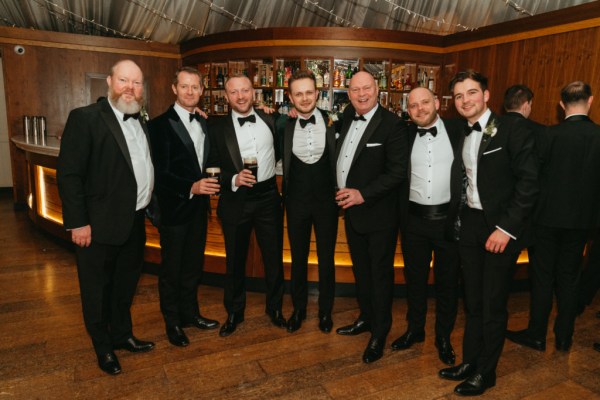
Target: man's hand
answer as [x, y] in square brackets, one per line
[265, 109]
[206, 186]
[202, 113]
[497, 242]
[245, 178]
[82, 237]
[347, 197]
[292, 113]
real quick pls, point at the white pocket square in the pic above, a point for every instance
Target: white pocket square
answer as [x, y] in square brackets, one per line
[492, 151]
[373, 144]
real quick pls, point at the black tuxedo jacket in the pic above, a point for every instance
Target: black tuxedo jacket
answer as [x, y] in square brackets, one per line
[454, 128]
[377, 170]
[288, 142]
[507, 177]
[570, 175]
[225, 153]
[95, 176]
[176, 167]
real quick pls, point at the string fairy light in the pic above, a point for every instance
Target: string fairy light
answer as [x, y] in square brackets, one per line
[517, 7]
[425, 18]
[341, 21]
[78, 19]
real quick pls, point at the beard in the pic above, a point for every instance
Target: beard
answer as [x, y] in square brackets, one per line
[121, 105]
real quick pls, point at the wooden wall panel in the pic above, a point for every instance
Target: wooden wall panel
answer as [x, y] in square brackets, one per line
[545, 64]
[50, 79]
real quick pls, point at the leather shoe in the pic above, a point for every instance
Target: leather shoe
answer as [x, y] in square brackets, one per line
[109, 363]
[356, 328]
[230, 324]
[408, 339]
[374, 350]
[277, 318]
[295, 321]
[474, 386]
[458, 373]
[445, 351]
[200, 322]
[564, 345]
[177, 336]
[325, 323]
[134, 345]
[524, 339]
[597, 346]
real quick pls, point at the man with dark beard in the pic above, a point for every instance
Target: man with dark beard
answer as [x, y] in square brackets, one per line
[105, 180]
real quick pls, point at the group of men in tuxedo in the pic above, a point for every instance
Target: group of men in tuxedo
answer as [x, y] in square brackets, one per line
[442, 179]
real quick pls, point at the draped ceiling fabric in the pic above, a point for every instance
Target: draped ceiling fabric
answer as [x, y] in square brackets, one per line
[176, 21]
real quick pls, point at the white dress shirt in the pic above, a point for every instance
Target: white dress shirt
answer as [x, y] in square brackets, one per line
[255, 140]
[344, 161]
[309, 142]
[430, 164]
[195, 131]
[470, 152]
[137, 144]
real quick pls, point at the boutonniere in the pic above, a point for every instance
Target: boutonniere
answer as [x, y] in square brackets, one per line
[333, 118]
[144, 114]
[491, 129]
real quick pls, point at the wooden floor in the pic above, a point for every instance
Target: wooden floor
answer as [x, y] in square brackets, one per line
[45, 352]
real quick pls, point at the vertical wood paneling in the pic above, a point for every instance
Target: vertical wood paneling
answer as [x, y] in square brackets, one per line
[545, 64]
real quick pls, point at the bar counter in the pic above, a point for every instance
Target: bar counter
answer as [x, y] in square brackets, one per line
[45, 210]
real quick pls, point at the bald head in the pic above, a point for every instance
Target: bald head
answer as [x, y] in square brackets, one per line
[423, 107]
[363, 92]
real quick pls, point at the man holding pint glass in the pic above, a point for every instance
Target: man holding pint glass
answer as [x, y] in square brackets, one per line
[243, 144]
[180, 146]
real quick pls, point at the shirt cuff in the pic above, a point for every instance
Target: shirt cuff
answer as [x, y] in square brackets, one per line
[233, 187]
[511, 236]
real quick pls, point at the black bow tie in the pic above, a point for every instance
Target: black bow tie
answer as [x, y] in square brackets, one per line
[249, 118]
[195, 116]
[134, 116]
[359, 118]
[475, 127]
[304, 122]
[423, 131]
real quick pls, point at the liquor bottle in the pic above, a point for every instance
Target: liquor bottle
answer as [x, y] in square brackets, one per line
[336, 78]
[220, 82]
[326, 79]
[408, 83]
[383, 81]
[255, 78]
[319, 79]
[225, 76]
[263, 76]
[348, 76]
[270, 75]
[431, 84]
[216, 104]
[280, 76]
[225, 106]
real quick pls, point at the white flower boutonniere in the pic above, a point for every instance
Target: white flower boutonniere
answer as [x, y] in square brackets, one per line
[144, 114]
[333, 118]
[491, 129]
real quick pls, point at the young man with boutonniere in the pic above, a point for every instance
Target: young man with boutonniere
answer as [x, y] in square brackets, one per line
[501, 190]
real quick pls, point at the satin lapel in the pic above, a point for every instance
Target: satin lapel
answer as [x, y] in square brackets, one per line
[288, 142]
[232, 144]
[184, 136]
[146, 134]
[487, 139]
[454, 135]
[412, 135]
[204, 127]
[371, 128]
[111, 121]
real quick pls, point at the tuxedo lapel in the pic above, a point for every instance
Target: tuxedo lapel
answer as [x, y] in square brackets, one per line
[345, 128]
[487, 139]
[371, 127]
[288, 143]
[183, 134]
[204, 127]
[232, 144]
[110, 119]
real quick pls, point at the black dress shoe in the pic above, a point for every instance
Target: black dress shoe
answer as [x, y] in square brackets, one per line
[277, 318]
[407, 340]
[374, 350]
[445, 351]
[230, 324]
[597, 346]
[356, 328]
[474, 386]
[109, 363]
[134, 345]
[325, 323]
[177, 336]
[458, 373]
[295, 321]
[200, 322]
[524, 339]
[564, 345]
